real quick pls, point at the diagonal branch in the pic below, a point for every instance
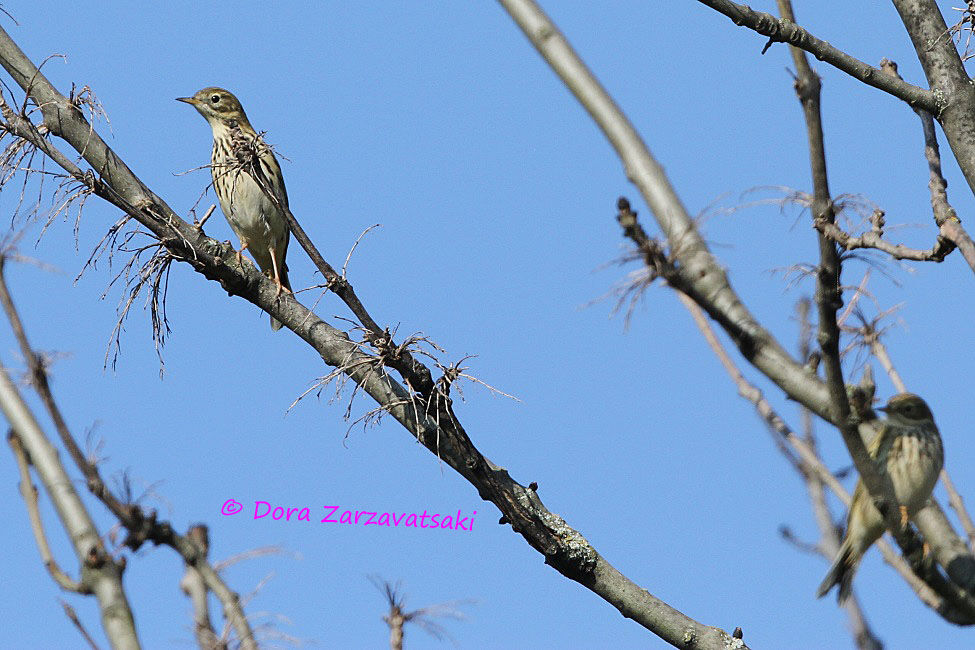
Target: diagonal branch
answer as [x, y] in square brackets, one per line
[426, 412]
[805, 456]
[787, 31]
[398, 358]
[700, 275]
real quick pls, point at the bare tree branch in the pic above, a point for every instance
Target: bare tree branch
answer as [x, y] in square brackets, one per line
[101, 574]
[947, 78]
[424, 618]
[699, 274]
[798, 451]
[194, 586]
[873, 238]
[423, 407]
[829, 297]
[787, 31]
[73, 617]
[140, 525]
[830, 535]
[945, 217]
[29, 493]
[951, 99]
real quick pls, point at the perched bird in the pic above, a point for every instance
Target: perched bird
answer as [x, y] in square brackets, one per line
[908, 449]
[240, 165]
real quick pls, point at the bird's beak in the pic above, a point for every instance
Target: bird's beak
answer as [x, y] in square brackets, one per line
[188, 100]
[883, 408]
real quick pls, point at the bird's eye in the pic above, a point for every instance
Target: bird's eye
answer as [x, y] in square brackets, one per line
[214, 99]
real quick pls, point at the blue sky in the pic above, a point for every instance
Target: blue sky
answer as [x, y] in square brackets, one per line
[496, 197]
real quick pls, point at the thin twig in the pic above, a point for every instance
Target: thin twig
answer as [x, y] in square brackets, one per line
[29, 493]
[73, 617]
[348, 257]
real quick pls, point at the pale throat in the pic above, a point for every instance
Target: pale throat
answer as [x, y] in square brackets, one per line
[220, 129]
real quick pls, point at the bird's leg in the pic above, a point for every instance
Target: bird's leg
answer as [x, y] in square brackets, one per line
[240, 253]
[903, 510]
[277, 274]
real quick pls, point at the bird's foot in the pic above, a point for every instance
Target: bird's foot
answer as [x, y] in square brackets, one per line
[280, 288]
[240, 255]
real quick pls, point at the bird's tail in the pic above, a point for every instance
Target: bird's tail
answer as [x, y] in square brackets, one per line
[275, 323]
[841, 573]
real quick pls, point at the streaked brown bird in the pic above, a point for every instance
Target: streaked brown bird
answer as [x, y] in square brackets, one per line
[908, 449]
[238, 179]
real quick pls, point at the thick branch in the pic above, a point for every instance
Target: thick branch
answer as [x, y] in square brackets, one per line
[946, 76]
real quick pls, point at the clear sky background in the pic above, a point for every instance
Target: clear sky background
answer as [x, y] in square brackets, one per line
[496, 196]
